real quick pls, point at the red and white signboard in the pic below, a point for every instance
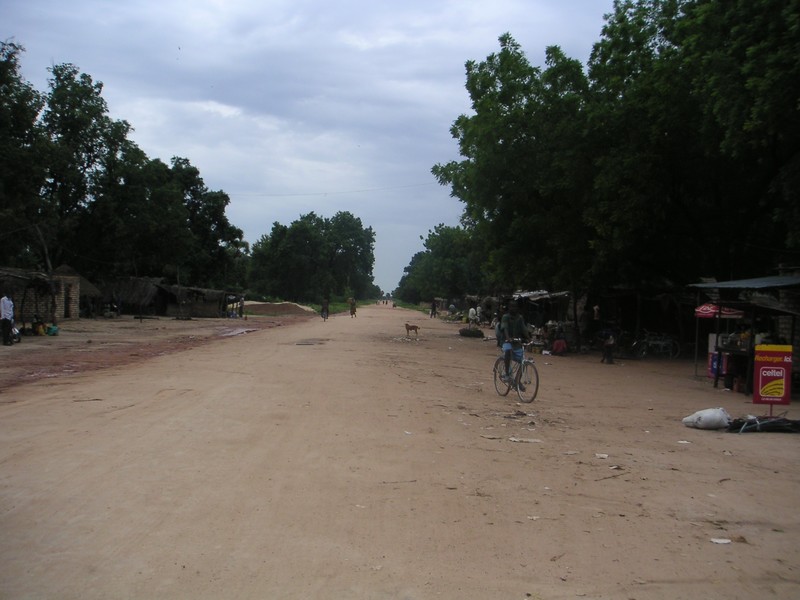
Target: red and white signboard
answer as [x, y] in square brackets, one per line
[773, 374]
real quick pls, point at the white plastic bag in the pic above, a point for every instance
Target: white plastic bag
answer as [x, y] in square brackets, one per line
[710, 418]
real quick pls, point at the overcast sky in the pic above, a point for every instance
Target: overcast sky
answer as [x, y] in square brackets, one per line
[294, 106]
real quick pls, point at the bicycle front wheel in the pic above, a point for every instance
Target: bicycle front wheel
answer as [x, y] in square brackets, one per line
[527, 382]
[674, 349]
[502, 386]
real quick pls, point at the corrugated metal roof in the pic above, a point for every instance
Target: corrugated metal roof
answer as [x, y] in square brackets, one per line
[540, 295]
[758, 283]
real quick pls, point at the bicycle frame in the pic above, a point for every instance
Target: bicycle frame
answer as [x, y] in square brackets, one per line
[522, 375]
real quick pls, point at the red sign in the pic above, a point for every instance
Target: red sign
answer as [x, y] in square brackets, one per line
[773, 374]
[708, 311]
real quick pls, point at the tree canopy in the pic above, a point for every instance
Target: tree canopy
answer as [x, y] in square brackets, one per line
[316, 258]
[673, 155]
[75, 189]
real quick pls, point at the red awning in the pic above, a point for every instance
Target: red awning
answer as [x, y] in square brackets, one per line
[709, 311]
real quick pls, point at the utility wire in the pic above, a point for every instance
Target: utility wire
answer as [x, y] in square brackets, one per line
[381, 189]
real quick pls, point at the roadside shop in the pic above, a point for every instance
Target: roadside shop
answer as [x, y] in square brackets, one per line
[753, 319]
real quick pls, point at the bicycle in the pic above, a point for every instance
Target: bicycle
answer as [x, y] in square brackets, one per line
[656, 343]
[523, 376]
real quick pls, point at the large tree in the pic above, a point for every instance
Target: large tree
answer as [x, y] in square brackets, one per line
[526, 175]
[22, 166]
[315, 258]
[74, 188]
[214, 240]
[677, 155]
[689, 167]
[742, 60]
[449, 267]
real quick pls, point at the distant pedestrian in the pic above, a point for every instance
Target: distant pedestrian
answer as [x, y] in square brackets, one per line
[433, 309]
[352, 307]
[608, 346]
[325, 309]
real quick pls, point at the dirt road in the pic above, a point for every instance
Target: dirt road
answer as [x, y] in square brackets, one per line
[342, 460]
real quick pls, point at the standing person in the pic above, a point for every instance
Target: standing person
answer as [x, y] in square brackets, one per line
[608, 346]
[352, 307]
[241, 307]
[473, 317]
[6, 318]
[433, 309]
[496, 321]
[513, 329]
[584, 324]
[325, 309]
[595, 321]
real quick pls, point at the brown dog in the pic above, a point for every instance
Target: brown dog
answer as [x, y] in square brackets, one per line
[410, 328]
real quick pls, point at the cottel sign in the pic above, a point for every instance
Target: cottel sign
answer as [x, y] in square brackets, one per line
[773, 374]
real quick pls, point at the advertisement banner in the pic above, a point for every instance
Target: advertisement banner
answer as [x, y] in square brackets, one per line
[773, 374]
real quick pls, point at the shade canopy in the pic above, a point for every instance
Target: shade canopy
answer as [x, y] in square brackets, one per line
[710, 311]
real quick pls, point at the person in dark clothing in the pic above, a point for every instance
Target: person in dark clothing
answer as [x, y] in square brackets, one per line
[514, 332]
[7, 316]
[608, 346]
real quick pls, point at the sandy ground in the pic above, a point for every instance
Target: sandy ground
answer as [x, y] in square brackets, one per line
[287, 457]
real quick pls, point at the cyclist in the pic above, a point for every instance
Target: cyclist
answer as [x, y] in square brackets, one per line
[512, 330]
[325, 309]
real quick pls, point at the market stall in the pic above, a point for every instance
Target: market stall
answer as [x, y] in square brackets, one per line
[759, 306]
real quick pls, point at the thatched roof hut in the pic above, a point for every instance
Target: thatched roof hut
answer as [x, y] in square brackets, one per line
[151, 296]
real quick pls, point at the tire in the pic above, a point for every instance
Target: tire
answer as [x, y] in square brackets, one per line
[639, 349]
[674, 349]
[501, 386]
[528, 376]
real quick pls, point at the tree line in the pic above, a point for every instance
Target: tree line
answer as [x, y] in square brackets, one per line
[673, 155]
[76, 190]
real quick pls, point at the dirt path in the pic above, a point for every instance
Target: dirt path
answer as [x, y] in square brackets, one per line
[341, 459]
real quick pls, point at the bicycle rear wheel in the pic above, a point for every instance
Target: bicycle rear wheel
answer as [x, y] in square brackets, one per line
[502, 386]
[527, 382]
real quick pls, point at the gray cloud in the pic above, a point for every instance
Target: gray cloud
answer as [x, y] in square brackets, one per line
[293, 106]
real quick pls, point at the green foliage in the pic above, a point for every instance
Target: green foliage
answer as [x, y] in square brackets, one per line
[75, 189]
[526, 173]
[449, 265]
[21, 166]
[315, 258]
[676, 154]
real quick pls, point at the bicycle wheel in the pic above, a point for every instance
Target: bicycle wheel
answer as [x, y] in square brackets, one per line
[639, 349]
[500, 385]
[527, 382]
[674, 349]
